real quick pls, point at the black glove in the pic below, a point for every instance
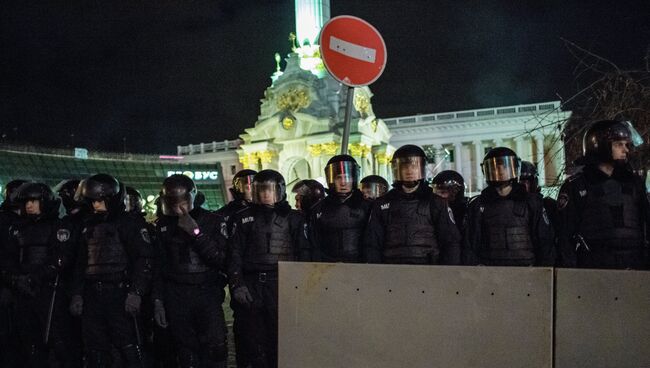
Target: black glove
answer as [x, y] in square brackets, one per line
[132, 303]
[188, 224]
[159, 314]
[243, 296]
[76, 305]
[24, 285]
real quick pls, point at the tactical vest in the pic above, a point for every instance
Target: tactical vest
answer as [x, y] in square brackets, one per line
[341, 229]
[182, 259]
[410, 236]
[269, 242]
[33, 241]
[106, 252]
[611, 216]
[505, 233]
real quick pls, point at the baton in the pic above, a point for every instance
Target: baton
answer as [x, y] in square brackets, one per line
[50, 311]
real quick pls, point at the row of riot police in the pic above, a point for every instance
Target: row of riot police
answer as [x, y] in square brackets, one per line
[111, 268]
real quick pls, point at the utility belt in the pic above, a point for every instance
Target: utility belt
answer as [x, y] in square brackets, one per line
[261, 276]
[106, 285]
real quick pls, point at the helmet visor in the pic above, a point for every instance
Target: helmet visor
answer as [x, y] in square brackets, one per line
[409, 168]
[267, 192]
[244, 186]
[504, 168]
[373, 190]
[635, 137]
[171, 205]
[343, 172]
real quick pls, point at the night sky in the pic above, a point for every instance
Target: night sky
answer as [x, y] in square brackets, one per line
[150, 75]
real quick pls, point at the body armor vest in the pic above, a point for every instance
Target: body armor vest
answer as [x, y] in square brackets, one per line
[182, 259]
[506, 237]
[34, 241]
[611, 216]
[341, 229]
[410, 235]
[269, 241]
[106, 253]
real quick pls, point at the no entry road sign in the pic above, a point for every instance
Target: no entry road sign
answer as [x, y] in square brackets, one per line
[353, 51]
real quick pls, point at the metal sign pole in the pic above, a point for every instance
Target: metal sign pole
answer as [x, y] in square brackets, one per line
[346, 127]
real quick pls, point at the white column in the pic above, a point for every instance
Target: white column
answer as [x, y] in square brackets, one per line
[458, 156]
[478, 159]
[519, 148]
[498, 142]
[539, 143]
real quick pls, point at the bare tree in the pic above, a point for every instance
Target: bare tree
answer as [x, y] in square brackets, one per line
[607, 92]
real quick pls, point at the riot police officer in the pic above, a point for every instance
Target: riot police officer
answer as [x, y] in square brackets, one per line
[263, 234]
[8, 214]
[337, 223]
[242, 189]
[133, 201]
[113, 273]
[38, 249]
[603, 209]
[373, 187]
[506, 226]
[409, 225]
[191, 290]
[529, 178]
[308, 192]
[450, 185]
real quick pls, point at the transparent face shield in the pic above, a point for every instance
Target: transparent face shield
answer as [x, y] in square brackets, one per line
[373, 190]
[170, 203]
[408, 168]
[501, 169]
[267, 193]
[450, 186]
[343, 174]
[244, 185]
[132, 202]
[635, 138]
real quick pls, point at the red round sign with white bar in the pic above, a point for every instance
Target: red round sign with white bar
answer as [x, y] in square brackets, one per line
[353, 50]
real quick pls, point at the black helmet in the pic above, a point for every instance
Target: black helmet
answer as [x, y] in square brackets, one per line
[38, 192]
[597, 141]
[9, 194]
[409, 156]
[342, 166]
[133, 201]
[103, 187]
[66, 191]
[373, 186]
[199, 199]
[449, 180]
[308, 192]
[242, 185]
[528, 176]
[501, 165]
[269, 180]
[176, 189]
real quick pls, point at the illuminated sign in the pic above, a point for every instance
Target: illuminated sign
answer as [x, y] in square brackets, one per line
[197, 175]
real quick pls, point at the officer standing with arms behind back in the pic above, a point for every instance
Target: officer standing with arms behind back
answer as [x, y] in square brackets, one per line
[603, 209]
[410, 225]
[507, 226]
[338, 222]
